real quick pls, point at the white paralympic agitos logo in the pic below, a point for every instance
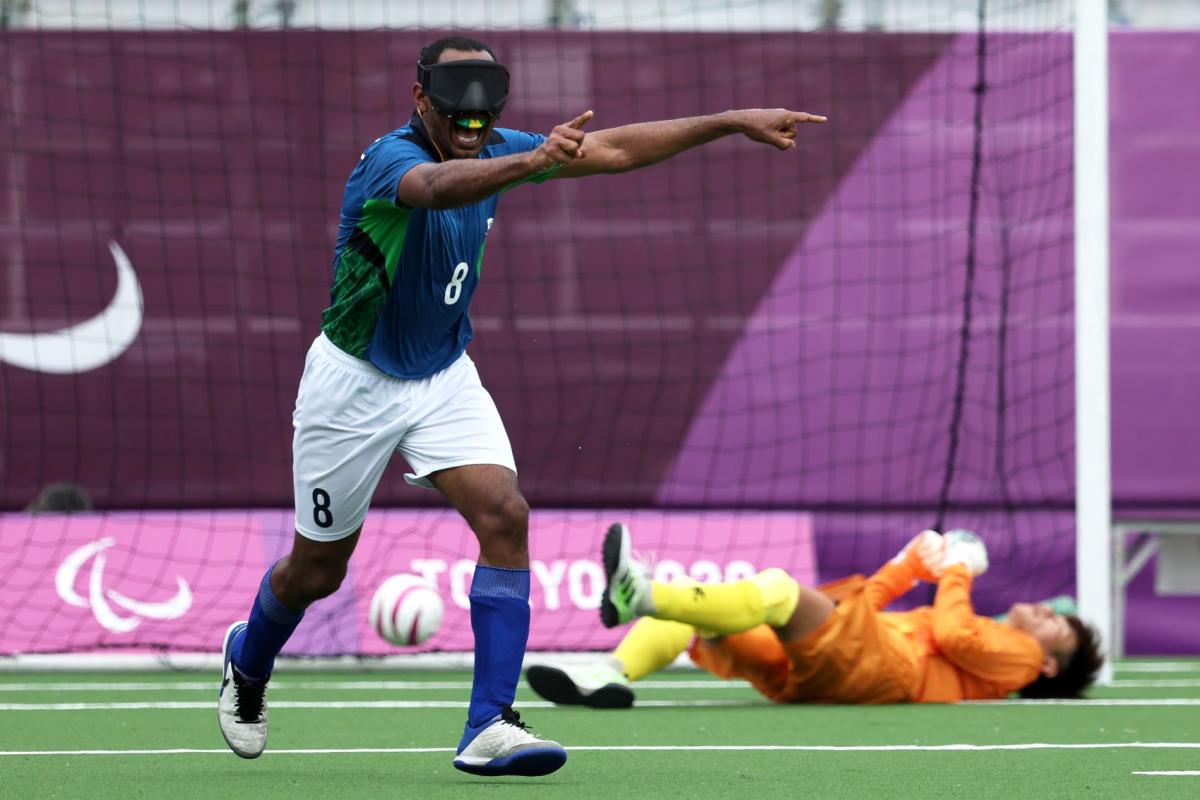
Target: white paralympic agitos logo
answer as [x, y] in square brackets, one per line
[89, 344]
[98, 597]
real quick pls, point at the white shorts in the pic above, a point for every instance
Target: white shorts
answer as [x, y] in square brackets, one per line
[350, 418]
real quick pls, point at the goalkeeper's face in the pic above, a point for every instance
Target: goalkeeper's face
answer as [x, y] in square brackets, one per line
[1051, 630]
[463, 134]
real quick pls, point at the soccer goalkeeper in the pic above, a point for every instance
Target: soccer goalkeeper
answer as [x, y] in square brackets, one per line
[800, 645]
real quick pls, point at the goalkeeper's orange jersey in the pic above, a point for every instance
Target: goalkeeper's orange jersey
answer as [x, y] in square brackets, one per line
[960, 656]
[935, 654]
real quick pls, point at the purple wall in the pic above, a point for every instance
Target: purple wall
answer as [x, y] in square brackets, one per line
[739, 327]
[217, 161]
[1156, 306]
[1156, 267]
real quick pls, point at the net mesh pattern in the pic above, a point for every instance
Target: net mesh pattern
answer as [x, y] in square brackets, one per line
[873, 329]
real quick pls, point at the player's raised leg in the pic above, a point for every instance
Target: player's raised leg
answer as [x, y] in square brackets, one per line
[770, 597]
[650, 645]
[495, 741]
[598, 684]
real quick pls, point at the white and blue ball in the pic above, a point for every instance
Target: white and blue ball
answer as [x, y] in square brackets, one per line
[406, 610]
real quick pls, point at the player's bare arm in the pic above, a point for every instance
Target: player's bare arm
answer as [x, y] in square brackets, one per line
[463, 181]
[631, 147]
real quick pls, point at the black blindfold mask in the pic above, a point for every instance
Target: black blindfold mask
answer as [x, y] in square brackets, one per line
[458, 87]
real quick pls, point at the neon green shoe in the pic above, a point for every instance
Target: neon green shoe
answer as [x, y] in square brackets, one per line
[627, 587]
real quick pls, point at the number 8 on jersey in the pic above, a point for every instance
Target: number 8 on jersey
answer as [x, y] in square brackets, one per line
[454, 287]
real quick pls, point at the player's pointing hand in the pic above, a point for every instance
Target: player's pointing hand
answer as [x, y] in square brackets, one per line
[581, 120]
[774, 126]
[564, 144]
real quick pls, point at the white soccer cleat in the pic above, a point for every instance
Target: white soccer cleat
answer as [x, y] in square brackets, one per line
[504, 746]
[242, 705]
[627, 586]
[596, 686]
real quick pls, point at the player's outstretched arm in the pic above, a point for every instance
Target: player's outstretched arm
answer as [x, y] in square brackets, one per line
[978, 645]
[639, 145]
[461, 182]
[919, 560]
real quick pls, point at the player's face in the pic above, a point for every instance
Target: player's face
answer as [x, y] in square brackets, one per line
[453, 140]
[1052, 631]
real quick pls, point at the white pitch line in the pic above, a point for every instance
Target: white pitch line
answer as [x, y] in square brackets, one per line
[175, 705]
[1160, 666]
[211, 686]
[1179, 773]
[173, 751]
[109, 687]
[284, 685]
[1099, 702]
[706, 748]
[1144, 683]
[933, 748]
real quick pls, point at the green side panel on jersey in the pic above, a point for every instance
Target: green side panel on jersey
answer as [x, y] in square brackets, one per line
[537, 177]
[358, 295]
[386, 223]
[479, 260]
[366, 269]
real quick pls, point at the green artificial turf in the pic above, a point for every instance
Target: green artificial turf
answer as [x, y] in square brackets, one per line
[601, 765]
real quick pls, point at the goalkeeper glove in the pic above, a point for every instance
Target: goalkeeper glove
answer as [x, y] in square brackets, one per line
[924, 554]
[964, 547]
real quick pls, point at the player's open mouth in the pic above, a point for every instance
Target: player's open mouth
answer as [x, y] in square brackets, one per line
[466, 138]
[467, 130]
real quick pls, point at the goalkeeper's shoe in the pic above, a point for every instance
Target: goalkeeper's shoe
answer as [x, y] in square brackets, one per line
[504, 746]
[627, 587]
[595, 686]
[241, 704]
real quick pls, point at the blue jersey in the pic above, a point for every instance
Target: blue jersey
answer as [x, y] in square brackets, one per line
[403, 277]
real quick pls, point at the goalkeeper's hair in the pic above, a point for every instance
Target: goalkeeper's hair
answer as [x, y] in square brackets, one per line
[1076, 672]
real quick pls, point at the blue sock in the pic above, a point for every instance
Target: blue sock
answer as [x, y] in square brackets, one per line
[270, 626]
[500, 621]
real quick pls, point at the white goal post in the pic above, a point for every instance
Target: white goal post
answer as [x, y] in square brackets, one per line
[1093, 461]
